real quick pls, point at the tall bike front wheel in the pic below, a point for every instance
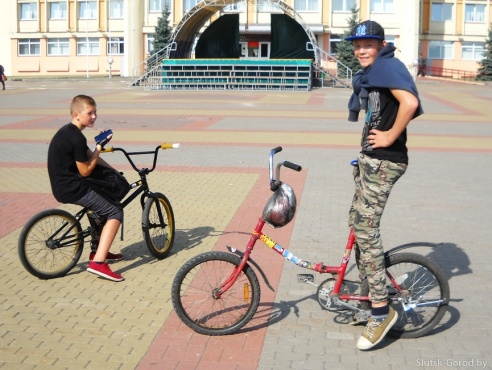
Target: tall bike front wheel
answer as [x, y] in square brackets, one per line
[50, 244]
[198, 301]
[424, 297]
[158, 236]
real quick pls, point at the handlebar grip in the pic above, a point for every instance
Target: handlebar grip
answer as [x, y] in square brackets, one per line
[170, 146]
[109, 149]
[292, 166]
[277, 150]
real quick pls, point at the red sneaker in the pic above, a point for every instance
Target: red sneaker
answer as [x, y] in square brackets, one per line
[104, 271]
[111, 257]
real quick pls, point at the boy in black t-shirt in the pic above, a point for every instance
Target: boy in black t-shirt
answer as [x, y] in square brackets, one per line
[385, 89]
[70, 159]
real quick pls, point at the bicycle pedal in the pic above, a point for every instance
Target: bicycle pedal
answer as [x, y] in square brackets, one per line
[303, 278]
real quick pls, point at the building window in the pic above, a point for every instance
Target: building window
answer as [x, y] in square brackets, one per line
[306, 5]
[157, 6]
[188, 4]
[442, 12]
[475, 13]
[88, 46]
[58, 46]
[150, 43]
[87, 10]
[28, 11]
[382, 6]
[441, 50]
[116, 46]
[58, 10]
[29, 47]
[473, 51]
[343, 5]
[334, 41]
[116, 8]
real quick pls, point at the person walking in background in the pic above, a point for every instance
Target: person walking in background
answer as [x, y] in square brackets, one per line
[2, 76]
[386, 91]
[421, 65]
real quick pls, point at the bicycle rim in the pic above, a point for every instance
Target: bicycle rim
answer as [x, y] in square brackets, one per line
[34, 253]
[425, 285]
[193, 294]
[158, 237]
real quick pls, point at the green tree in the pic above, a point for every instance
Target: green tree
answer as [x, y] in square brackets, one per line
[345, 49]
[484, 72]
[163, 31]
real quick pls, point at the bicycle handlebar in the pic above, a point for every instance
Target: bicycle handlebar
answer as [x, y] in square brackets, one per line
[275, 182]
[155, 152]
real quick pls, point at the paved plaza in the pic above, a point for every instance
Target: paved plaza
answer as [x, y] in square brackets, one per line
[217, 183]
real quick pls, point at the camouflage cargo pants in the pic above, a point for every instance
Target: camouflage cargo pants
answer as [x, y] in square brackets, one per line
[374, 180]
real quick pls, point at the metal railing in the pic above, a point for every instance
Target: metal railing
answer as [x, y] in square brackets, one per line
[342, 74]
[452, 74]
[143, 70]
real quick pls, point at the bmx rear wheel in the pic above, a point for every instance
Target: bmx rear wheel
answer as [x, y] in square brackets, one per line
[50, 244]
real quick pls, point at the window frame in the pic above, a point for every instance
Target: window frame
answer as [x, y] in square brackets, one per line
[187, 3]
[120, 9]
[61, 43]
[89, 44]
[475, 14]
[93, 12]
[476, 47]
[386, 6]
[117, 41]
[344, 6]
[443, 47]
[442, 12]
[307, 6]
[33, 14]
[30, 43]
[158, 6]
[63, 11]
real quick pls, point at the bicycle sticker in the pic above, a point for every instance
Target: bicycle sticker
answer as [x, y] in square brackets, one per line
[265, 239]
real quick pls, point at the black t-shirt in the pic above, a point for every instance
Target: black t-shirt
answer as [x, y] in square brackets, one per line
[67, 146]
[382, 109]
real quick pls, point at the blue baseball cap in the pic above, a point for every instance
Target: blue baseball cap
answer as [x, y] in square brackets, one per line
[367, 30]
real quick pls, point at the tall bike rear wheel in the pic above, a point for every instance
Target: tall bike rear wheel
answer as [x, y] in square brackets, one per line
[158, 237]
[425, 296]
[50, 244]
[195, 299]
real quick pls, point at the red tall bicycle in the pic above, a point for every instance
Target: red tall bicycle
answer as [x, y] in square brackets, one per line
[217, 293]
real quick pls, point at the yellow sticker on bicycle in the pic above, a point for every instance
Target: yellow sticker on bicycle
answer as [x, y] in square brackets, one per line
[270, 242]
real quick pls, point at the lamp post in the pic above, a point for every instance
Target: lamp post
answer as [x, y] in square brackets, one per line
[110, 62]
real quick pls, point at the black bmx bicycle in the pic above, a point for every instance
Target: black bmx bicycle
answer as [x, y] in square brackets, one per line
[51, 242]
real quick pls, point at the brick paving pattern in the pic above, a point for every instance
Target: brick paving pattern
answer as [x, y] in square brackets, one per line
[217, 184]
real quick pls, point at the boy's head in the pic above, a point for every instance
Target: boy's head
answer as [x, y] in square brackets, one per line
[83, 111]
[368, 38]
[80, 102]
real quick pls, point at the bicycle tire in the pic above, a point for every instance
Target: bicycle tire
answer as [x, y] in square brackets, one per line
[159, 239]
[193, 298]
[418, 276]
[35, 254]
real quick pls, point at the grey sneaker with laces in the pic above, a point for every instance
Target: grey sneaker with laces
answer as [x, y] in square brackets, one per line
[376, 330]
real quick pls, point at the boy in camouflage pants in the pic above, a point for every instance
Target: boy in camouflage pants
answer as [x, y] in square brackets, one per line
[385, 89]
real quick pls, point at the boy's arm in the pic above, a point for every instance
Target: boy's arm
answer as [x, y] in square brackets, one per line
[86, 168]
[408, 105]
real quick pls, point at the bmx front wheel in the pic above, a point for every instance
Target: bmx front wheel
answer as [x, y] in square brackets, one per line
[198, 301]
[424, 296]
[158, 236]
[50, 244]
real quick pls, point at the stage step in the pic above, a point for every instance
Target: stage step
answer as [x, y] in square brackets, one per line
[233, 74]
